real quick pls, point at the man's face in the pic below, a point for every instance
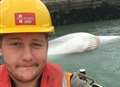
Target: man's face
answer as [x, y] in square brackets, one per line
[25, 54]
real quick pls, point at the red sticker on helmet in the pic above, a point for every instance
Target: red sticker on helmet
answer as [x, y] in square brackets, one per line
[25, 19]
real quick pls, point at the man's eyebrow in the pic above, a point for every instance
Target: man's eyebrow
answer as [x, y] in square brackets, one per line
[13, 38]
[41, 40]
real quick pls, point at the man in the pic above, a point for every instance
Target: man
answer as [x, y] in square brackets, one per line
[25, 26]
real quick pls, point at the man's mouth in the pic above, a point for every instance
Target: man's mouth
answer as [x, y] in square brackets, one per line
[27, 65]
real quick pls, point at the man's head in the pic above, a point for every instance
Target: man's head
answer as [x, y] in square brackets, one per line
[24, 29]
[25, 54]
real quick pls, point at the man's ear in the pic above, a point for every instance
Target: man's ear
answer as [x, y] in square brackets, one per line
[0, 51]
[0, 47]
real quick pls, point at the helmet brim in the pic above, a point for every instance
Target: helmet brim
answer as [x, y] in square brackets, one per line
[27, 30]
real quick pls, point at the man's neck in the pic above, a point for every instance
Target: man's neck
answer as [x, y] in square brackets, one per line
[34, 83]
[28, 84]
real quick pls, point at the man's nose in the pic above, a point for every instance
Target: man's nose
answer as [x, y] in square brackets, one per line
[27, 54]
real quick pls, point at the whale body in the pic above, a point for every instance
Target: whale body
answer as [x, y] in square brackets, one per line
[77, 43]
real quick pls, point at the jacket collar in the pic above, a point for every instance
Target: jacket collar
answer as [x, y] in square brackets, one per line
[4, 76]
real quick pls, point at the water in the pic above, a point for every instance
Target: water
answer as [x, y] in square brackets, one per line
[102, 64]
[109, 27]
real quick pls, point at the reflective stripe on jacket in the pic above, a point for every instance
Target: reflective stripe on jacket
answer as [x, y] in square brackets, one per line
[67, 80]
[73, 80]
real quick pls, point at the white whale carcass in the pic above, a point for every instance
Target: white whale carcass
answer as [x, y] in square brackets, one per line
[77, 43]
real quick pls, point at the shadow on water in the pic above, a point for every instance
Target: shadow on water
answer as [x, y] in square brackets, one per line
[104, 12]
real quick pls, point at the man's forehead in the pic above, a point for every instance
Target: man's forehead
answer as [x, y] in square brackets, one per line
[24, 36]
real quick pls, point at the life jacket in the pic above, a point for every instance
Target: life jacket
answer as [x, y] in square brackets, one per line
[51, 77]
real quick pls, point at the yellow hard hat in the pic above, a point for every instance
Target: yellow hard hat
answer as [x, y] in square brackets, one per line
[19, 16]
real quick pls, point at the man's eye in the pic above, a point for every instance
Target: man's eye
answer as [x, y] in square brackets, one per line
[36, 45]
[15, 44]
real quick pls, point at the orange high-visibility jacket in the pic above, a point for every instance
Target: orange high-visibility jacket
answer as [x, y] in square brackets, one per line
[52, 77]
